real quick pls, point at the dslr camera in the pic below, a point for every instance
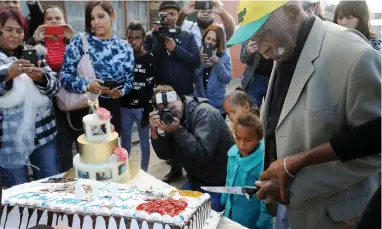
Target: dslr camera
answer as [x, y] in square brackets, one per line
[166, 115]
[164, 30]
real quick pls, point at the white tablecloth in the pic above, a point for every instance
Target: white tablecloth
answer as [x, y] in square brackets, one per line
[142, 181]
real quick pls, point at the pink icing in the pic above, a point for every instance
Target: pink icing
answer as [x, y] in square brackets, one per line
[103, 114]
[121, 154]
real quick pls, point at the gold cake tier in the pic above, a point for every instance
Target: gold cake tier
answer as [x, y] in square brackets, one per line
[97, 152]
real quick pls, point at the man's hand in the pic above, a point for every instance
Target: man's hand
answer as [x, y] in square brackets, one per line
[218, 7]
[169, 44]
[154, 120]
[269, 191]
[277, 171]
[188, 8]
[252, 47]
[170, 128]
[39, 33]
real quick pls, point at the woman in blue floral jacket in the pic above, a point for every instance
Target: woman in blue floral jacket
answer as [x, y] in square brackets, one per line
[112, 58]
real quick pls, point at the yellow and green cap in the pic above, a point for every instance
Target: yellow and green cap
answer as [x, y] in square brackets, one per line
[252, 15]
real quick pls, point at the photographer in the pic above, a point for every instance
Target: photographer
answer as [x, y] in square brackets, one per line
[177, 56]
[197, 134]
[205, 18]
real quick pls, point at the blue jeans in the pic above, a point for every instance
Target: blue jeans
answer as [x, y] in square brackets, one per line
[44, 158]
[130, 115]
[215, 197]
[257, 89]
[281, 218]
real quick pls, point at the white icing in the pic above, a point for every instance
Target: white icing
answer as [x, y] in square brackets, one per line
[142, 215]
[178, 220]
[156, 217]
[129, 212]
[109, 169]
[167, 219]
[96, 129]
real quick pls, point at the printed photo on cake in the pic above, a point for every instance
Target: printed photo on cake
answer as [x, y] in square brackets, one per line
[83, 175]
[98, 130]
[122, 168]
[107, 175]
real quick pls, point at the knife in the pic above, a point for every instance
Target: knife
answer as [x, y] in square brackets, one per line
[248, 191]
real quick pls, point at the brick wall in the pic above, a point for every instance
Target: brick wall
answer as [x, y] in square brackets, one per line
[237, 66]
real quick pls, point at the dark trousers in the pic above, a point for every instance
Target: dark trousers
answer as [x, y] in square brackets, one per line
[371, 218]
[66, 136]
[113, 106]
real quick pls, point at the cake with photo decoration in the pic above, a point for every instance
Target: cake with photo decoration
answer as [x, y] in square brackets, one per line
[90, 204]
[100, 156]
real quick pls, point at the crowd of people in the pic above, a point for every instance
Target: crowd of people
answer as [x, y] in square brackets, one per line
[313, 151]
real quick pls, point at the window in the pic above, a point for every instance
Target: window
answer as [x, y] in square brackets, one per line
[75, 11]
[138, 10]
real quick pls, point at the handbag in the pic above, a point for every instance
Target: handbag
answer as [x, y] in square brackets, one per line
[68, 101]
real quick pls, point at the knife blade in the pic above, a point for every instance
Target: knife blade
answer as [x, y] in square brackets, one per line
[248, 191]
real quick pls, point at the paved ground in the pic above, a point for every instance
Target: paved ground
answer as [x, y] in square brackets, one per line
[158, 168]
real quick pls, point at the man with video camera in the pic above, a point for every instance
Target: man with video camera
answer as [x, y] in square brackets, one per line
[177, 56]
[196, 133]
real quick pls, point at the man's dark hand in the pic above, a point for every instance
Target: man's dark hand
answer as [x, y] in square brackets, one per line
[269, 191]
[169, 43]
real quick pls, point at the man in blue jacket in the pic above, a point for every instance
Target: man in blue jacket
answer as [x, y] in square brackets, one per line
[177, 57]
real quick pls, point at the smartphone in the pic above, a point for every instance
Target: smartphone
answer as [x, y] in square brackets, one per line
[203, 5]
[51, 30]
[207, 49]
[109, 84]
[31, 55]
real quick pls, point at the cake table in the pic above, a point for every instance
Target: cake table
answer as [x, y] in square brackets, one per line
[141, 180]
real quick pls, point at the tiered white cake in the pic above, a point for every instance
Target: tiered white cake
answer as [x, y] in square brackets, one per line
[100, 157]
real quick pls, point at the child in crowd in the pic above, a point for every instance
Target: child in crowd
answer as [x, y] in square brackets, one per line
[136, 106]
[245, 164]
[237, 104]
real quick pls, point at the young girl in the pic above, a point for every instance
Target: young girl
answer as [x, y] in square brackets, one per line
[237, 104]
[245, 164]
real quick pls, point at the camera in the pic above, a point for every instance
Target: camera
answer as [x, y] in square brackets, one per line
[164, 30]
[167, 116]
[203, 5]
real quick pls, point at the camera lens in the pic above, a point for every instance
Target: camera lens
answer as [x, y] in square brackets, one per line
[167, 117]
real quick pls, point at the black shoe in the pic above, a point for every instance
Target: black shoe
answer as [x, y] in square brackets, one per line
[172, 175]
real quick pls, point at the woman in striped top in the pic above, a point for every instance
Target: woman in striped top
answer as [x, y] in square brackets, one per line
[54, 49]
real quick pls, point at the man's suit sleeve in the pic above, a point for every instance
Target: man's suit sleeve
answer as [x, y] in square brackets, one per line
[363, 103]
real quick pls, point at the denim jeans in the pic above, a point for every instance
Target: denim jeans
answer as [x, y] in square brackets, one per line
[281, 218]
[44, 158]
[215, 197]
[257, 89]
[130, 115]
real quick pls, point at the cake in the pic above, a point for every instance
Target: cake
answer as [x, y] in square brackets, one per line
[100, 156]
[122, 205]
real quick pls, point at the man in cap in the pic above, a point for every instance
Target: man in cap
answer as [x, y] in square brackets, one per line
[315, 95]
[176, 59]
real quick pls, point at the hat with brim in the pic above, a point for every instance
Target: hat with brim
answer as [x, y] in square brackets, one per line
[252, 15]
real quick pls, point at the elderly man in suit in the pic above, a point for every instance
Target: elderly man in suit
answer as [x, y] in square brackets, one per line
[326, 81]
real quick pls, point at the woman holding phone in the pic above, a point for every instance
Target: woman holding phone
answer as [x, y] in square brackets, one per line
[12, 74]
[52, 38]
[215, 71]
[112, 59]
